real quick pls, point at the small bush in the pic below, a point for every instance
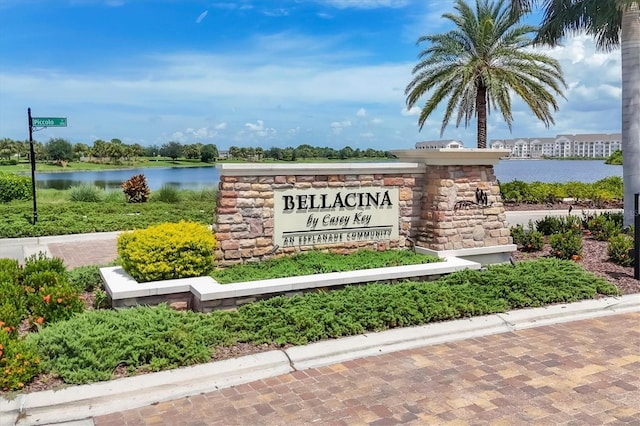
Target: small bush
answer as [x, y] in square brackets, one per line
[167, 251]
[86, 193]
[18, 362]
[566, 245]
[101, 300]
[41, 263]
[14, 187]
[114, 197]
[203, 194]
[619, 248]
[558, 224]
[5, 162]
[167, 194]
[533, 241]
[136, 189]
[54, 302]
[517, 233]
[85, 278]
[604, 226]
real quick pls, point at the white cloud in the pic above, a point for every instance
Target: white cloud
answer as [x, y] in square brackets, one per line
[410, 112]
[221, 126]
[338, 126]
[376, 121]
[202, 16]
[258, 129]
[361, 113]
[276, 13]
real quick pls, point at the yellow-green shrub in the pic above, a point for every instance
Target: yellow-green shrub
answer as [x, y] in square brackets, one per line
[167, 251]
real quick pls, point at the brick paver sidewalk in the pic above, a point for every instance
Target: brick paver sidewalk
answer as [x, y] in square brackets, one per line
[584, 372]
[81, 253]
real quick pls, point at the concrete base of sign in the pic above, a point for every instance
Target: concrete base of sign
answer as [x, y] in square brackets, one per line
[482, 255]
[204, 294]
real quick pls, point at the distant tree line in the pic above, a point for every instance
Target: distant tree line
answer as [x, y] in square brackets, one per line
[115, 151]
[304, 151]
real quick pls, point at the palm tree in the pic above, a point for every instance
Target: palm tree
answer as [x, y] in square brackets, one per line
[613, 23]
[478, 63]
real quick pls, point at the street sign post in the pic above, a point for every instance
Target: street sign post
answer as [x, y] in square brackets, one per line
[49, 121]
[39, 122]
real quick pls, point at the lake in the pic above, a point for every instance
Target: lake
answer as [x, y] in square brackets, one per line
[199, 177]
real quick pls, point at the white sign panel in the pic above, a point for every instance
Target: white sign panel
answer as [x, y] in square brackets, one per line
[335, 215]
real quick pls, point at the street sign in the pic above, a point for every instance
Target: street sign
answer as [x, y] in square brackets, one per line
[49, 121]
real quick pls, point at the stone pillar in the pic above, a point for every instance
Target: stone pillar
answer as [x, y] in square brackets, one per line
[451, 216]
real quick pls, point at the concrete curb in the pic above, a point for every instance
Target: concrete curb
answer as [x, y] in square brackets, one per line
[86, 401]
[83, 402]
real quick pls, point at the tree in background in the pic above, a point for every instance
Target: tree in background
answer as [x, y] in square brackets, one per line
[476, 66]
[134, 151]
[59, 150]
[99, 149]
[81, 150]
[115, 150]
[613, 23]
[192, 151]
[208, 153]
[7, 148]
[172, 150]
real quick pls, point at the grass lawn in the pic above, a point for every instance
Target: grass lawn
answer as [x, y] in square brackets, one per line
[76, 166]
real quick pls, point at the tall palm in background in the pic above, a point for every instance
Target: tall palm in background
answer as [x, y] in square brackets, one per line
[613, 23]
[478, 63]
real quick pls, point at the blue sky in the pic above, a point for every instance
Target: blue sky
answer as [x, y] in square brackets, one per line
[253, 73]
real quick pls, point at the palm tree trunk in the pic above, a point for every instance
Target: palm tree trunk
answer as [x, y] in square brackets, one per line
[630, 50]
[481, 108]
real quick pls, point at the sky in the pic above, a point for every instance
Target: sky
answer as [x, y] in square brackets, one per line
[255, 73]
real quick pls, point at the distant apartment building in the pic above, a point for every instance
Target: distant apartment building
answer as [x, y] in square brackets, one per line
[589, 145]
[448, 143]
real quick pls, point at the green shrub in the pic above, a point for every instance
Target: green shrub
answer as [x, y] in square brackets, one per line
[85, 278]
[9, 270]
[136, 189]
[558, 224]
[602, 227]
[18, 362]
[41, 263]
[114, 197]
[14, 187]
[5, 162]
[515, 192]
[203, 194]
[101, 299]
[167, 251]
[606, 190]
[619, 248]
[53, 302]
[86, 193]
[566, 245]
[74, 218]
[317, 262]
[143, 339]
[167, 194]
[530, 240]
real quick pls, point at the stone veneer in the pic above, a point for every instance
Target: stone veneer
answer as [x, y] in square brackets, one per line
[245, 213]
[429, 187]
[443, 227]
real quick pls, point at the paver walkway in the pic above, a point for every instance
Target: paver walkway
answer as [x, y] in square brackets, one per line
[81, 253]
[584, 372]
